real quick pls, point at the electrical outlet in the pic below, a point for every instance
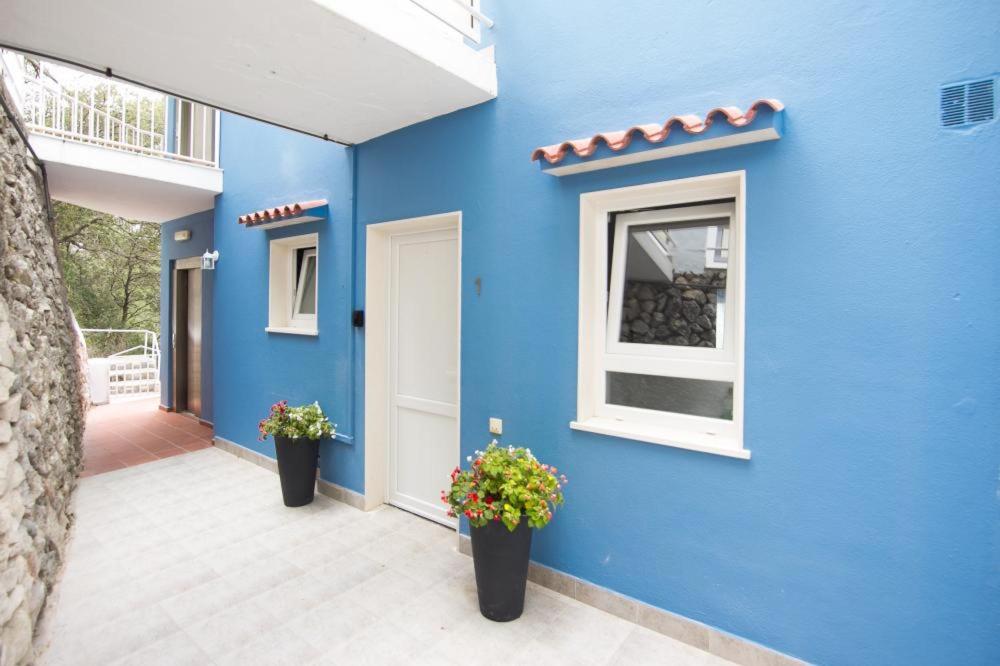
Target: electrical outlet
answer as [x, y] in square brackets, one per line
[496, 426]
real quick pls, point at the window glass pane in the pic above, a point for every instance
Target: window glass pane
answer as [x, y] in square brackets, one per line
[308, 302]
[697, 397]
[675, 283]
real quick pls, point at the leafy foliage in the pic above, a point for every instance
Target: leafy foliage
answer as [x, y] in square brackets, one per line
[505, 484]
[306, 421]
[112, 270]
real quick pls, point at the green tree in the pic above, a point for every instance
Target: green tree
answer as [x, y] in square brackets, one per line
[112, 271]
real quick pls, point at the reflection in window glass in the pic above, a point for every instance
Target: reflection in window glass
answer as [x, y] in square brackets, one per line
[675, 283]
[308, 302]
[696, 397]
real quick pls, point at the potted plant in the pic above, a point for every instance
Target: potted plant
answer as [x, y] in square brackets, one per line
[505, 495]
[296, 431]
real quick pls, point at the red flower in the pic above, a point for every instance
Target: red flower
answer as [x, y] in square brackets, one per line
[473, 496]
[489, 500]
[496, 519]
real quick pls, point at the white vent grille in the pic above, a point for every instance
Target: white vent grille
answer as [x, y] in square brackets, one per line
[968, 103]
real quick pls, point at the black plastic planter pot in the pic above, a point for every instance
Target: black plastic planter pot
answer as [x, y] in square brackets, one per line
[501, 560]
[297, 461]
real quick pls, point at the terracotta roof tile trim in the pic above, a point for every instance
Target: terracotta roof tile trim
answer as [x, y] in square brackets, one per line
[653, 133]
[279, 212]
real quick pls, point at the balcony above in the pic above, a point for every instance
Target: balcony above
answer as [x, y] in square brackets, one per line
[113, 147]
[346, 69]
[125, 183]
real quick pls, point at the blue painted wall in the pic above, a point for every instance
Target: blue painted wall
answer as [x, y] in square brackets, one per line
[866, 528]
[202, 227]
[266, 166]
[171, 124]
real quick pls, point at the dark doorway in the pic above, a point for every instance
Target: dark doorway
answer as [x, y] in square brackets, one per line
[186, 340]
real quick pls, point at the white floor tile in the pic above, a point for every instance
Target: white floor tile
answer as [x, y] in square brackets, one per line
[195, 560]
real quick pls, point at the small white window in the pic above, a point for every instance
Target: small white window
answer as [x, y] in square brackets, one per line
[304, 312]
[661, 314]
[293, 285]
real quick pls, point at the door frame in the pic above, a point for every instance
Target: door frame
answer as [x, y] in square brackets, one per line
[183, 264]
[378, 267]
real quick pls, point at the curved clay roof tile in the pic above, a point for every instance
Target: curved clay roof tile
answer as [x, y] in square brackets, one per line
[619, 140]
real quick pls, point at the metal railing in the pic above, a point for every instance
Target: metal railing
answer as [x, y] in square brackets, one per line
[132, 371]
[66, 104]
[462, 16]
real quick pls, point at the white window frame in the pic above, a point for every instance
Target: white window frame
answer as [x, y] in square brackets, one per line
[283, 286]
[716, 243]
[600, 317]
[298, 318]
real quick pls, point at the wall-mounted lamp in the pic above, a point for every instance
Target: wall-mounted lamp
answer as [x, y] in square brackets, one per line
[208, 260]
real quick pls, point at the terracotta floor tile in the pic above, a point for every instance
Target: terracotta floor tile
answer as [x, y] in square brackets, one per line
[132, 433]
[195, 445]
[136, 457]
[172, 451]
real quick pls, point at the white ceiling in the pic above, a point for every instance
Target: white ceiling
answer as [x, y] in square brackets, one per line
[349, 69]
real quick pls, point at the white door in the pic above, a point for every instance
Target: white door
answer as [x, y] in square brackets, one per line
[423, 370]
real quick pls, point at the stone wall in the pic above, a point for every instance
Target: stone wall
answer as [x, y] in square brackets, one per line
[41, 406]
[679, 313]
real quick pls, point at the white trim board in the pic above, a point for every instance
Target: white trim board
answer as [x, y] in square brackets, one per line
[702, 636]
[328, 488]
[286, 222]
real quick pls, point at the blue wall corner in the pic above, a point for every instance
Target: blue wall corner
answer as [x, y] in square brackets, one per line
[267, 166]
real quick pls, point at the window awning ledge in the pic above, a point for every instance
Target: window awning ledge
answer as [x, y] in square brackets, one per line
[287, 214]
[762, 121]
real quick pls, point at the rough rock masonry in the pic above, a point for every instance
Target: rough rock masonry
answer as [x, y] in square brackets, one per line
[41, 410]
[679, 313]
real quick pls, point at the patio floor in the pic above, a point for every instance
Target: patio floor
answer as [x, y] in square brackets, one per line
[194, 560]
[123, 434]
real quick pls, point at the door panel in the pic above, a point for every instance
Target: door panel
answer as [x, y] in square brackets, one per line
[178, 340]
[423, 369]
[422, 465]
[194, 342]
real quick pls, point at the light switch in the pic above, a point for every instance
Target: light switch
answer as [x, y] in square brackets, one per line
[496, 426]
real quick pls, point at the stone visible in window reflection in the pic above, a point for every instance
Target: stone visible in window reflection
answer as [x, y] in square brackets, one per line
[675, 284]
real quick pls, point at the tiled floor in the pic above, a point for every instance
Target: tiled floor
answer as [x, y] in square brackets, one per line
[194, 560]
[124, 434]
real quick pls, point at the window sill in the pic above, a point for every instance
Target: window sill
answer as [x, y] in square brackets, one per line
[291, 330]
[653, 435]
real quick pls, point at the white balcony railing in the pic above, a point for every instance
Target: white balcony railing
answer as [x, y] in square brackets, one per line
[461, 16]
[63, 103]
[132, 371]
